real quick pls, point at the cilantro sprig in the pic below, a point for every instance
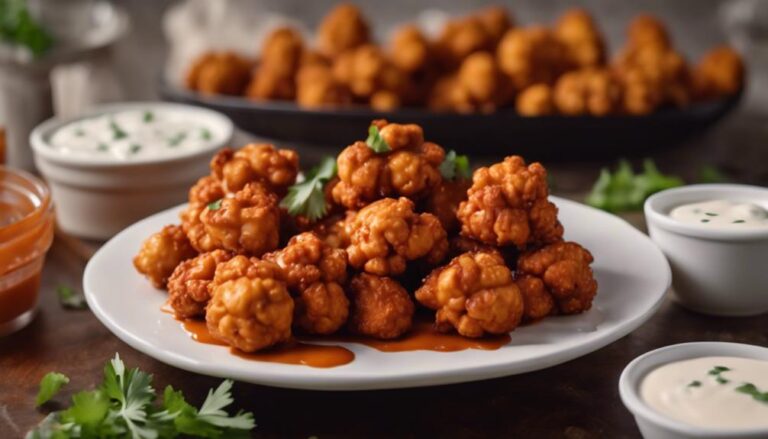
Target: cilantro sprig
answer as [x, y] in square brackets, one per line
[308, 197]
[624, 190]
[455, 166]
[752, 390]
[17, 26]
[124, 405]
[69, 298]
[376, 142]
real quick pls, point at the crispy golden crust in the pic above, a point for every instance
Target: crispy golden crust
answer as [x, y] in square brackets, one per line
[219, 73]
[507, 205]
[263, 163]
[588, 91]
[531, 55]
[344, 28]
[474, 294]
[647, 30]
[161, 253]
[443, 202]
[316, 87]
[188, 285]
[380, 307]
[388, 233]
[366, 71]
[581, 37]
[321, 308]
[720, 72]
[564, 269]
[537, 299]
[484, 87]
[409, 49]
[207, 190]
[536, 100]
[307, 259]
[462, 37]
[250, 307]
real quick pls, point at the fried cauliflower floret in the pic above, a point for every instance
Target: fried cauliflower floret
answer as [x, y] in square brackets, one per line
[367, 71]
[188, 285]
[250, 307]
[410, 169]
[536, 100]
[507, 205]
[589, 91]
[564, 269]
[161, 253]
[530, 56]
[496, 21]
[380, 307]
[316, 87]
[409, 49]
[467, 35]
[275, 168]
[483, 82]
[281, 54]
[537, 299]
[207, 190]
[219, 73]
[647, 30]
[443, 202]
[640, 95]
[344, 28]
[388, 233]
[474, 294]
[247, 222]
[322, 308]
[720, 72]
[578, 31]
[333, 230]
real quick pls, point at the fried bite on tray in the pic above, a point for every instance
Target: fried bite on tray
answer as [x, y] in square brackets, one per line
[315, 273]
[380, 307]
[161, 253]
[250, 307]
[477, 32]
[316, 87]
[275, 168]
[410, 49]
[371, 76]
[188, 285]
[531, 55]
[587, 91]
[409, 169]
[483, 87]
[387, 234]
[564, 269]
[219, 73]
[536, 100]
[538, 301]
[720, 72]
[207, 190]
[474, 294]
[344, 28]
[581, 37]
[507, 205]
[281, 54]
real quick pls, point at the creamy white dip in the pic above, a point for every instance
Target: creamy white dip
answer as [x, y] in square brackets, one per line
[711, 392]
[722, 214]
[134, 133]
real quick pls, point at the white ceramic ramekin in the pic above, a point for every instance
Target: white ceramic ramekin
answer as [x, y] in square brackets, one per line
[654, 425]
[96, 198]
[718, 272]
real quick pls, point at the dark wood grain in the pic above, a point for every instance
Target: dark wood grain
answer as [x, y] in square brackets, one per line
[578, 399]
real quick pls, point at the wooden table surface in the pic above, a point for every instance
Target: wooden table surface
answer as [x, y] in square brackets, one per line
[575, 400]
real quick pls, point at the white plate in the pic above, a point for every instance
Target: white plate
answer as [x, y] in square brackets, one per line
[632, 273]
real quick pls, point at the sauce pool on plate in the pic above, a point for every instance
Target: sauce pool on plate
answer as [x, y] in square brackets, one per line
[710, 392]
[722, 214]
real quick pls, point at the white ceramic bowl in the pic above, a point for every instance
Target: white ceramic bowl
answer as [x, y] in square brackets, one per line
[719, 272]
[97, 197]
[654, 425]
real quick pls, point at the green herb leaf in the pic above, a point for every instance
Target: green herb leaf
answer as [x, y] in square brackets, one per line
[17, 26]
[148, 116]
[134, 148]
[739, 221]
[117, 132]
[102, 147]
[177, 139]
[694, 383]
[455, 166]
[717, 370]
[626, 191]
[308, 197]
[205, 133]
[375, 141]
[50, 385]
[216, 205]
[69, 298]
[753, 391]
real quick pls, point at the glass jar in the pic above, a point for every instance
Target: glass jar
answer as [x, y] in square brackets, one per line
[26, 233]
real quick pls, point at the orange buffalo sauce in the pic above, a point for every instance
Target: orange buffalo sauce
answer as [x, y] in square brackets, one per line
[26, 233]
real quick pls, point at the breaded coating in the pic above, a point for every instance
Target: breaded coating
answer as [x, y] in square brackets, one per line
[343, 28]
[161, 253]
[474, 294]
[583, 40]
[564, 269]
[219, 73]
[247, 222]
[333, 230]
[250, 308]
[322, 308]
[409, 49]
[188, 285]
[443, 202]
[531, 55]
[536, 100]
[316, 87]
[207, 190]
[719, 73]
[366, 71]
[507, 205]
[496, 21]
[464, 36]
[388, 233]
[274, 78]
[537, 299]
[484, 85]
[380, 307]
[594, 92]
[263, 163]
[410, 169]
[639, 95]
[647, 30]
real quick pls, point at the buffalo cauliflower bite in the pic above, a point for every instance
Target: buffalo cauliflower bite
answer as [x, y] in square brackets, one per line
[507, 205]
[247, 222]
[564, 269]
[316, 87]
[380, 307]
[250, 307]
[366, 71]
[321, 308]
[344, 28]
[720, 72]
[281, 54]
[483, 82]
[536, 100]
[188, 285]
[579, 33]
[647, 30]
[587, 91]
[388, 233]
[219, 73]
[443, 202]
[537, 299]
[161, 253]
[409, 49]
[207, 190]
[531, 56]
[275, 168]
[474, 294]
[464, 36]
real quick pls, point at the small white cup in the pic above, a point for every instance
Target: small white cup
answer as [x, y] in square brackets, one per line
[718, 272]
[654, 425]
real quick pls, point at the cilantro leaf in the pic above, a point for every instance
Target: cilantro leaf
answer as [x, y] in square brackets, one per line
[212, 410]
[148, 116]
[624, 190]
[216, 205]
[308, 197]
[454, 166]
[69, 298]
[17, 26]
[50, 385]
[753, 391]
[375, 141]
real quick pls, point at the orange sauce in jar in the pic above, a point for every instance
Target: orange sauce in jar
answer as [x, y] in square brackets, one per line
[26, 233]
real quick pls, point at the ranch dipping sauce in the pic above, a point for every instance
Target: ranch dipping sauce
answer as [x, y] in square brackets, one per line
[722, 214]
[725, 393]
[131, 134]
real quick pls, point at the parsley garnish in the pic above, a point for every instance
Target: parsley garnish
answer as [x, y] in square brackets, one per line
[124, 405]
[50, 385]
[216, 205]
[69, 298]
[739, 222]
[624, 190]
[102, 147]
[117, 132]
[205, 133]
[148, 116]
[375, 141]
[752, 390]
[454, 166]
[18, 27]
[79, 132]
[134, 148]
[694, 383]
[308, 198]
[717, 373]
[177, 139]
